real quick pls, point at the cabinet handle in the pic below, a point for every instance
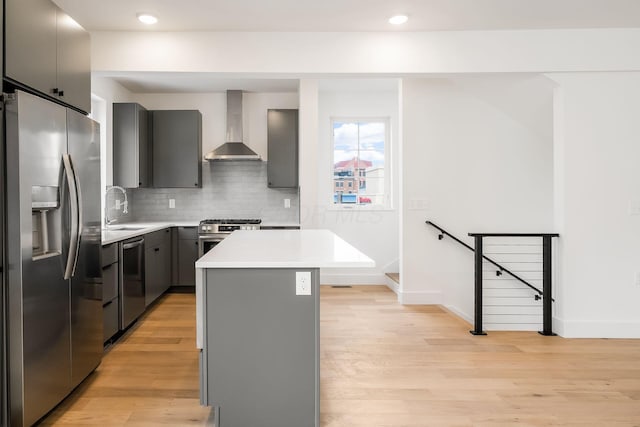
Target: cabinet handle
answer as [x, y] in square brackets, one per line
[196, 184]
[106, 304]
[156, 249]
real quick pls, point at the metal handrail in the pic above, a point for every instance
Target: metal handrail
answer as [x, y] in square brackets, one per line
[502, 269]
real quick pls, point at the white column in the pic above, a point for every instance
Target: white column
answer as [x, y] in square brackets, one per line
[308, 162]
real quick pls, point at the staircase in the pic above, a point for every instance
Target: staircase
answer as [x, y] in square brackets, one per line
[512, 288]
[393, 281]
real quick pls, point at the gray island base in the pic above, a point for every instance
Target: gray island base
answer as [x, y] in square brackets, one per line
[261, 364]
[258, 329]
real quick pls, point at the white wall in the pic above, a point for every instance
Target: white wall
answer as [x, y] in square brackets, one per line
[238, 53]
[213, 107]
[598, 205]
[477, 156]
[374, 232]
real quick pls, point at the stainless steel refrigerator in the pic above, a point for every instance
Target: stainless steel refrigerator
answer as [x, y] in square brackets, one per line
[54, 279]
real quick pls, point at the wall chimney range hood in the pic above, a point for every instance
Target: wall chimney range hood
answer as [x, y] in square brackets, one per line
[234, 148]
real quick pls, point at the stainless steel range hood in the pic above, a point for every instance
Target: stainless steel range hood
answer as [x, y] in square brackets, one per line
[234, 148]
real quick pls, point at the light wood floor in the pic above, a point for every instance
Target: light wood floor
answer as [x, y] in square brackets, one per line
[382, 364]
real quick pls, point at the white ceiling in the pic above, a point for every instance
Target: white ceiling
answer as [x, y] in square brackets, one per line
[352, 15]
[329, 15]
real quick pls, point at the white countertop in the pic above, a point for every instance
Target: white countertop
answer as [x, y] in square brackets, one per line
[284, 249]
[135, 229]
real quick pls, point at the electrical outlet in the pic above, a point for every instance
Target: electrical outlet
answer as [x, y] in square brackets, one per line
[287, 203]
[636, 278]
[303, 283]
[172, 203]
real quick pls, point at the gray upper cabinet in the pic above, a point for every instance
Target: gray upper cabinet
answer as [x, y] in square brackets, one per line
[74, 63]
[282, 151]
[30, 43]
[48, 52]
[131, 157]
[177, 148]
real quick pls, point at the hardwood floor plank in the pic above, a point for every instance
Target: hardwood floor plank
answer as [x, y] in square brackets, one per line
[382, 364]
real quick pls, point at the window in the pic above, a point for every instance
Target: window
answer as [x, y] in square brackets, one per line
[360, 159]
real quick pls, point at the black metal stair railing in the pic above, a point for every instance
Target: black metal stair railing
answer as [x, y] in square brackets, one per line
[545, 293]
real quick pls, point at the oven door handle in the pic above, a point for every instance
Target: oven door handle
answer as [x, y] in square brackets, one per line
[202, 240]
[210, 239]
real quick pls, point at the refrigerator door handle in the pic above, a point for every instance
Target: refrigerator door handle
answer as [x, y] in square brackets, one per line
[79, 217]
[73, 235]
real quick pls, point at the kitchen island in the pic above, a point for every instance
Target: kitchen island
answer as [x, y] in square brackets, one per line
[257, 317]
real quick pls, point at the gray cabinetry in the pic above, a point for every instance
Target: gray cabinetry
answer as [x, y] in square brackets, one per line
[177, 148]
[157, 264]
[110, 290]
[45, 50]
[74, 63]
[282, 139]
[261, 345]
[187, 255]
[131, 157]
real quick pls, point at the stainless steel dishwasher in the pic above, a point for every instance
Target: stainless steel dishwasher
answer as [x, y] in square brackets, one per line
[132, 281]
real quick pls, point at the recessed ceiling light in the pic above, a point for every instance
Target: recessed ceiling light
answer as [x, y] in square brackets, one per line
[398, 19]
[147, 18]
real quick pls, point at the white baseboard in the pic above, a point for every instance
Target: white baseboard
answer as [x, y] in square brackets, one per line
[455, 310]
[591, 329]
[418, 298]
[352, 279]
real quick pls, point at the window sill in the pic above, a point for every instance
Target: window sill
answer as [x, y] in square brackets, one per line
[361, 208]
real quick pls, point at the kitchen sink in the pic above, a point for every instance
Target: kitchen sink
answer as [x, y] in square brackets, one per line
[125, 228]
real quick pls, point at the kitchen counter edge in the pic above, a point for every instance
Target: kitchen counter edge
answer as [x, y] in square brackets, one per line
[113, 235]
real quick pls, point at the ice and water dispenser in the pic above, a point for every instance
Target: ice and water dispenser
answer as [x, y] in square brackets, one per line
[45, 218]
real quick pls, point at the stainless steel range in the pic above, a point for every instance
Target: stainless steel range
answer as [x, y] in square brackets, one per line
[213, 231]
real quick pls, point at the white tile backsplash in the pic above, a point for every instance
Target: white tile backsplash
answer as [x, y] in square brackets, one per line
[230, 189]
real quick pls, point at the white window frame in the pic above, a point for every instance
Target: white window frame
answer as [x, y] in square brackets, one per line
[387, 205]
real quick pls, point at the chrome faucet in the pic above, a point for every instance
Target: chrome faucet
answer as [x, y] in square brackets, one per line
[125, 204]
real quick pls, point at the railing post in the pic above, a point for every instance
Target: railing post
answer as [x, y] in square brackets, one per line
[547, 327]
[478, 288]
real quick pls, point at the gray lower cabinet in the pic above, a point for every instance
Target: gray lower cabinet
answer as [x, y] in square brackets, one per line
[131, 145]
[46, 52]
[177, 148]
[157, 260]
[187, 249]
[282, 148]
[110, 293]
